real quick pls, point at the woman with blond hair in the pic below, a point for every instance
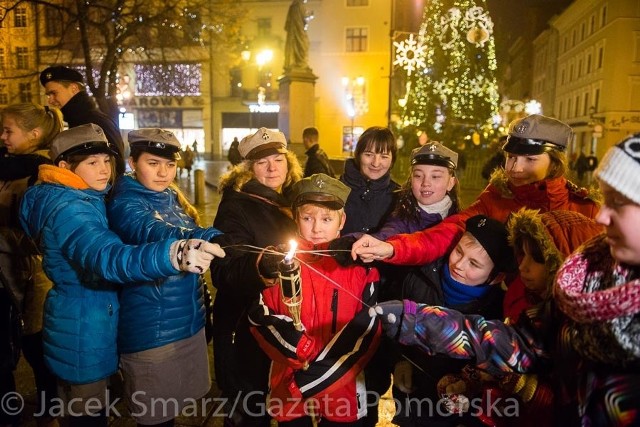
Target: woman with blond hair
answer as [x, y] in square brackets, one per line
[27, 132]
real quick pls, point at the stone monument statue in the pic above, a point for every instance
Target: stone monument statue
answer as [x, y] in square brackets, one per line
[296, 87]
[296, 49]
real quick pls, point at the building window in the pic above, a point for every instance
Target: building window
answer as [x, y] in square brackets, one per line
[588, 63]
[560, 110]
[569, 108]
[1, 58]
[357, 39]
[353, 3]
[600, 57]
[20, 17]
[577, 112]
[603, 16]
[585, 109]
[596, 99]
[25, 92]
[53, 23]
[4, 96]
[264, 27]
[22, 58]
[592, 25]
[168, 79]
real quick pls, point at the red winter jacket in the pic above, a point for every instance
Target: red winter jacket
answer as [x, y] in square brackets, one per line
[323, 363]
[498, 200]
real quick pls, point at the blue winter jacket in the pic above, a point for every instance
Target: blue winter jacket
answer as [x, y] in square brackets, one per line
[155, 313]
[84, 260]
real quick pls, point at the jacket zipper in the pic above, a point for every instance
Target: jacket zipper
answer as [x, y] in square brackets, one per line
[334, 309]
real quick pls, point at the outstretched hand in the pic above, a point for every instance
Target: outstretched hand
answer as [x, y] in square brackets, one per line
[391, 315]
[370, 249]
[194, 255]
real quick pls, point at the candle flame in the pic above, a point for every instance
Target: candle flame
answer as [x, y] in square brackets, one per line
[293, 245]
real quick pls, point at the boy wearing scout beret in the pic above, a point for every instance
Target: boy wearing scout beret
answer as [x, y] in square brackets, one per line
[65, 89]
[324, 360]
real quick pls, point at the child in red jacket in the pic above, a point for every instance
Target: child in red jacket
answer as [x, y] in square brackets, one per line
[317, 363]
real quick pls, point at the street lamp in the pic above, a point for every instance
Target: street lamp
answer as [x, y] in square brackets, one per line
[355, 96]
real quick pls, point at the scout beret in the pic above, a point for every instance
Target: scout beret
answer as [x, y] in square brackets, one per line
[263, 143]
[537, 134]
[60, 73]
[156, 141]
[320, 189]
[83, 140]
[434, 153]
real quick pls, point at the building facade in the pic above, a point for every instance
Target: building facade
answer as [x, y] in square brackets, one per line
[587, 66]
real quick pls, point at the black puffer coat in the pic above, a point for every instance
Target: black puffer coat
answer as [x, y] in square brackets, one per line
[370, 201]
[256, 216]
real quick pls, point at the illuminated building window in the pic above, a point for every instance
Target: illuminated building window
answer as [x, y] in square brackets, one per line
[20, 17]
[25, 92]
[22, 58]
[168, 79]
[357, 39]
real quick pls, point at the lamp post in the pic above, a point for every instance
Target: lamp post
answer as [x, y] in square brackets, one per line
[355, 101]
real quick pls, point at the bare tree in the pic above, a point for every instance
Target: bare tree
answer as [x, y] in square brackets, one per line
[102, 34]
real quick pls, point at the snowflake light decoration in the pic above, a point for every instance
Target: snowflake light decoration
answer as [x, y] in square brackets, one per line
[410, 54]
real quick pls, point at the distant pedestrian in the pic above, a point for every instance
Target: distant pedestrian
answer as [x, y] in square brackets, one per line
[65, 89]
[194, 148]
[234, 155]
[317, 160]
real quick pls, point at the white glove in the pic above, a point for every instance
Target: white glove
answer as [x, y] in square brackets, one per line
[194, 255]
[403, 377]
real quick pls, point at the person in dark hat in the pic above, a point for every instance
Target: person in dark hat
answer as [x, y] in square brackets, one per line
[533, 177]
[317, 160]
[468, 280]
[65, 89]
[66, 215]
[163, 319]
[255, 210]
[325, 310]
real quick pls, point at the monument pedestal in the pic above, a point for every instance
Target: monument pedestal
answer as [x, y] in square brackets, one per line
[297, 102]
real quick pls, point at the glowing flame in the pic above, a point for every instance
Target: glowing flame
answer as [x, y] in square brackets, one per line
[293, 245]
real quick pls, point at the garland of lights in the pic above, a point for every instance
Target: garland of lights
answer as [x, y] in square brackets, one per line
[476, 24]
[450, 68]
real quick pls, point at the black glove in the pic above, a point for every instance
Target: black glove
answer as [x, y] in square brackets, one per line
[269, 260]
[342, 247]
[391, 314]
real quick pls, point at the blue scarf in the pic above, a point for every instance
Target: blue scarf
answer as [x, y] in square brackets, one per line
[456, 293]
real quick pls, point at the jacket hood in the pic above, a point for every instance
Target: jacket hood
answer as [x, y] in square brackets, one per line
[557, 233]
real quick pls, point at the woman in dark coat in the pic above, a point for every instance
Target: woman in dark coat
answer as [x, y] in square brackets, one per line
[368, 174]
[253, 211]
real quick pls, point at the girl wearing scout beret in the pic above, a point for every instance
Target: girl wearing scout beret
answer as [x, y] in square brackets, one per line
[161, 326]
[66, 216]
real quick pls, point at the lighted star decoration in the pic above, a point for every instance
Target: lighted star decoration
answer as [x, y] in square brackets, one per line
[410, 54]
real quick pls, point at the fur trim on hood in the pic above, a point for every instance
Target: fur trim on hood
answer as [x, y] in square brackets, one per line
[558, 233]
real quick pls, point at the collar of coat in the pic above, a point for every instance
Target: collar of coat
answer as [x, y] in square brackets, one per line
[56, 175]
[500, 182]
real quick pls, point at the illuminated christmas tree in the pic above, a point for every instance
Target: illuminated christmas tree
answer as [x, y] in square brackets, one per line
[450, 68]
